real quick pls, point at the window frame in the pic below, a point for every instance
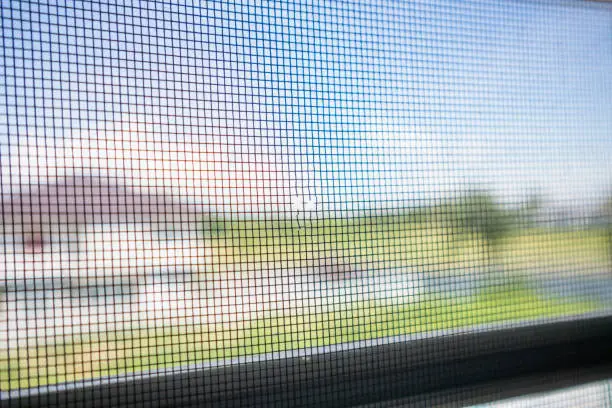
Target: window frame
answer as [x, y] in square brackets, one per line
[493, 361]
[364, 372]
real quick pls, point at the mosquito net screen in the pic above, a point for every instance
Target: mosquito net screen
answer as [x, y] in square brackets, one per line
[207, 183]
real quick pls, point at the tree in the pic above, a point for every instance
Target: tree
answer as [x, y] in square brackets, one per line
[530, 208]
[479, 215]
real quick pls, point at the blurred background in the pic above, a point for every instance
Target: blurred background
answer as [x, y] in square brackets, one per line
[183, 182]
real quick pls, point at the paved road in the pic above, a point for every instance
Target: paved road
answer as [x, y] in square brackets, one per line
[596, 288]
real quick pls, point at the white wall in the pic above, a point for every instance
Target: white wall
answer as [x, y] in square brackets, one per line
[132, 251]
[59, 256]
[108, 252]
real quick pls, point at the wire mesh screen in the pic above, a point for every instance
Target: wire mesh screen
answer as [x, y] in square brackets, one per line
[202, 182]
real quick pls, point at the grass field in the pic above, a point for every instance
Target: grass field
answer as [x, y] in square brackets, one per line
[138, 350]
[398, 241]
[427, 247]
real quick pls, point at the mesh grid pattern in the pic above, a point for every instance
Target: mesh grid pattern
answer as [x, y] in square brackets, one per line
[205, 182]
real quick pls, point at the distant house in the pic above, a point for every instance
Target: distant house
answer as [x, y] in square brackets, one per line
[87, 229]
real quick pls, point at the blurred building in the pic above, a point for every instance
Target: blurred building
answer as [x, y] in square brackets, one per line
[87, 229]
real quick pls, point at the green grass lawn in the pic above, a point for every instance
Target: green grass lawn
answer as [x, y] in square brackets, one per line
[133, 351]
[430, 247]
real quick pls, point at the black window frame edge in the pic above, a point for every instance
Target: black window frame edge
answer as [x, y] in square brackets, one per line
[524, 387]
[363, 372]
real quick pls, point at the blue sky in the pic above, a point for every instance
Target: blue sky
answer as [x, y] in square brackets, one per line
[347, 104]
